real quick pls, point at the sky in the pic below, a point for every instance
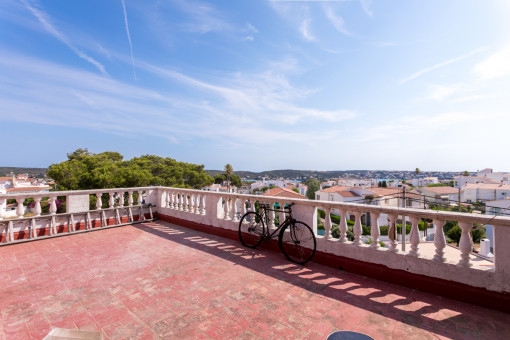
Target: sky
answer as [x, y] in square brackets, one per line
[259, 84]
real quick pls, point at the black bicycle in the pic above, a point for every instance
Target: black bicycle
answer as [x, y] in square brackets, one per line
[296, 239]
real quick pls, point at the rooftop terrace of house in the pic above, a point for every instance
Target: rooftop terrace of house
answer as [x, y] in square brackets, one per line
[116, 270]
[158, 279]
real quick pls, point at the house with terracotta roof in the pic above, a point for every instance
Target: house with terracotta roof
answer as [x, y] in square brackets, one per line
[283, 192]
[440, 194]
[460, 181]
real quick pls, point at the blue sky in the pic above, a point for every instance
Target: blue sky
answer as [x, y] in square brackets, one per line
[325, 85]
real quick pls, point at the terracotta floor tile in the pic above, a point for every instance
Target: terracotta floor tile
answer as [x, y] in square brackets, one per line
[158, 280]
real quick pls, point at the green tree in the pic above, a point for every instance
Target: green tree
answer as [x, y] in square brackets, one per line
[313, 186]
[229, 170]
[85, 170]
[295, 190]
[465, 173]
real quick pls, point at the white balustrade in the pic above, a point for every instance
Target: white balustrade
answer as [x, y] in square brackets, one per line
[20, 211]
[327, 223]
[414, 236]
[111, 201]
[357, 228]
[130, 198]
[375, 232]
[343, 226]
[439, 241]
[465, 244]
[392, 233]
[99, 203]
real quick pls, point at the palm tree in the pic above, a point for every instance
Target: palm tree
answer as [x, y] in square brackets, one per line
[417, 171]
[229, 170]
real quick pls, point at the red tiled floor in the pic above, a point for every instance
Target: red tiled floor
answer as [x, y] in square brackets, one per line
[158, 280]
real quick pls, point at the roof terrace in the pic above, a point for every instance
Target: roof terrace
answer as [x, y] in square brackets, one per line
[189, 277]
[161, 280]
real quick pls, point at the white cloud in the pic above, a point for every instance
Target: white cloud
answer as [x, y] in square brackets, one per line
[441, 92]
[305, 30]
[204, 18]
[366, 7]
[441, 64]
[337, 21]
[495, 66]
[45, 21]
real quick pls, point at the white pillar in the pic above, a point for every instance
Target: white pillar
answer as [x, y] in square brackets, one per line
[111, 201]
[99, 203]
[20, 211]
[439, 241]
[343, 226]
[38, 209]
[392, 233]
[375, 232]
[465, 244]
[130, 197]
[414, 237]
[2, 202]
[327, 223]
[357, 228]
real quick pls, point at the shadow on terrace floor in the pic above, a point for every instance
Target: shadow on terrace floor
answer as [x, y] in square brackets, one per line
[377, 301]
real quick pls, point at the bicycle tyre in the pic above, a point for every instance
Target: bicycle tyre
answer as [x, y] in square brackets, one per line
[297, 242]
[251, 229]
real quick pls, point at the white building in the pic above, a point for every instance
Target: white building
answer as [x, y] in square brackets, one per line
[498, 207]
[444, 195]
[460, 181]
[417, 182]
[485, 192]
[498, 177]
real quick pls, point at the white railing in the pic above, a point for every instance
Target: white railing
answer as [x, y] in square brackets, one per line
[223, 210]
[121, 206]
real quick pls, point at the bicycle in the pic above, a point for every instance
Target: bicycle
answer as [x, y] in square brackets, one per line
[296, 239]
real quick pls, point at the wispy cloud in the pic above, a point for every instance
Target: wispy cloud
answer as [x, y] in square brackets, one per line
[129, 38]
[203, 17]
[441, 92]
[495, 66]
[441, 64]
[45, 21]
[366, 7]
[337, 21]
[305, 30]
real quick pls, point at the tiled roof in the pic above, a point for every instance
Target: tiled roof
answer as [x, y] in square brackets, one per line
[385, 191]
[27, 189]
[336, 188]
[491, 186]
[282, 192]
[442, 190]
[5, 179]
[347, 193]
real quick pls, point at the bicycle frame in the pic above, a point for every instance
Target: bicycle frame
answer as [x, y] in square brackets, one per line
[288, 220]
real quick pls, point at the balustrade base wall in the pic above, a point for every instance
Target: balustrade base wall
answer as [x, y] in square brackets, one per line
[450, 289]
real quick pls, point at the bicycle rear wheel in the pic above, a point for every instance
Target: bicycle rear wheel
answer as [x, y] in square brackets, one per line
[251, 229]
[297, 242]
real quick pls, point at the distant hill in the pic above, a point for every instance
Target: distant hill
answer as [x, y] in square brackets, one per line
[323, 175]
[32, 172]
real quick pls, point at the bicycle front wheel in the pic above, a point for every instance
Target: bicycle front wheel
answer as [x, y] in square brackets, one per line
[297, 242]
[251, 229]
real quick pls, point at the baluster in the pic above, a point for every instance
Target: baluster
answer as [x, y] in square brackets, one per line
[357, 228]
[140, 197]
[2, 202]
[439, 241]
[53, 205]
[271, 215]
[343, 226]
[392, 233]
[111, 201]
[192, 203]
[99, 203]
[235, 209]
[465, 244]
[281, 212]
[203, 204]
[414, 237]
[130, 197]
[185, 202]
[197, 204]
[21, 208]
[226, 215]
[164, 199]
[121, 198]
[180, 205]
[375, 232]
[327, 223]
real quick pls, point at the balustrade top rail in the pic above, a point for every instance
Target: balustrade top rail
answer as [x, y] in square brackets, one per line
[73, 192]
